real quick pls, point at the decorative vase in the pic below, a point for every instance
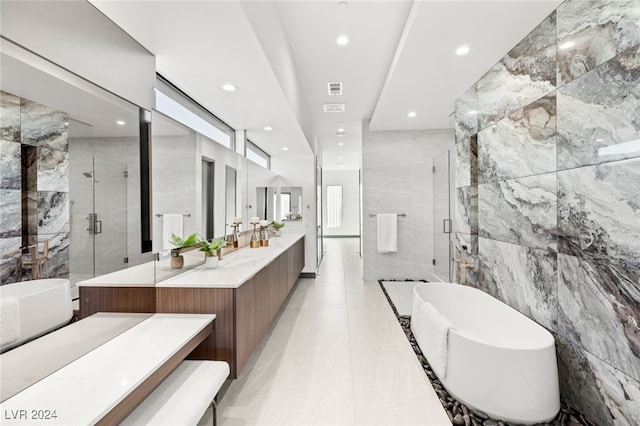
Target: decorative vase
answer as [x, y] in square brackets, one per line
[211, 262]
[177, 262]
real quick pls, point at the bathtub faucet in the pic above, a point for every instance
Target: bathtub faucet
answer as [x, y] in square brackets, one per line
[463, 265]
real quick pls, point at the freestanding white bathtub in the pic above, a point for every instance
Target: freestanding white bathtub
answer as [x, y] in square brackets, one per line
[44, 305]
[498, 361]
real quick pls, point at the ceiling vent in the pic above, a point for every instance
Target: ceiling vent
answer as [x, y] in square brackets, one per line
[335, 88]
[335, 107]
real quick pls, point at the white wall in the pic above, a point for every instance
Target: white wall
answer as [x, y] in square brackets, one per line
[300, 171]
[350, 181]
[397, 178]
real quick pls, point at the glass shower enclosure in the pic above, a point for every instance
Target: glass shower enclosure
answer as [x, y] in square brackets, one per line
[442, 223]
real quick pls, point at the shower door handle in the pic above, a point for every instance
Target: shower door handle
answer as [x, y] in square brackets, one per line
[98, 227]
[446, 229]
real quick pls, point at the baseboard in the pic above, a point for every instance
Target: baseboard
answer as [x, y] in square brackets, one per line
[307, 275]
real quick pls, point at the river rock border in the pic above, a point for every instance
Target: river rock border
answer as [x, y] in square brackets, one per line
[460, 414]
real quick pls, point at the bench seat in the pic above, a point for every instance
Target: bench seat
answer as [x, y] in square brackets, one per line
[183, 397]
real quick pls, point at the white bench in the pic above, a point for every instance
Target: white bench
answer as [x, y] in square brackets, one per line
[184, 397]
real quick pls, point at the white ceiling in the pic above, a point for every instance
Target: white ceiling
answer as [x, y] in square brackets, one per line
[400, 57]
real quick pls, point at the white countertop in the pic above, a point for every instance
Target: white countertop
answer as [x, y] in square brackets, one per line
[87, 389]
[236, 268]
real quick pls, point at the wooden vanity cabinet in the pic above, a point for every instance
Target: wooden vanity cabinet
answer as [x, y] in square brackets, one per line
[243, 314]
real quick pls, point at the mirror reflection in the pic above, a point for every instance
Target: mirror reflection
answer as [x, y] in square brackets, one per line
[291, 203]
[70, 182]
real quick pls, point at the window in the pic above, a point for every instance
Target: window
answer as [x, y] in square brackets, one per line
[334, 206]
[173, 103]
[258, 156]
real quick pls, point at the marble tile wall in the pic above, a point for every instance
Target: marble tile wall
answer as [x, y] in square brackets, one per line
[558, 205]
[34, 188]
[397, 177]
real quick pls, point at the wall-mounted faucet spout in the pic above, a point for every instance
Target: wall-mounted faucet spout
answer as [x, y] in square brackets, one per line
[463, 265]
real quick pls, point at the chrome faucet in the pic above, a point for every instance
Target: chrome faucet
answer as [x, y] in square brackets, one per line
[463, 265]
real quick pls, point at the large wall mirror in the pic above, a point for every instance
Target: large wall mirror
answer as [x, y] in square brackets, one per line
[70, 175]
[231, 195]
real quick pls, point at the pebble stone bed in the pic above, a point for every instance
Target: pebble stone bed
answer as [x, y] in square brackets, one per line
[460, 414]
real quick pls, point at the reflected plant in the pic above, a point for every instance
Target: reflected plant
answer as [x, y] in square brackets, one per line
[180, 244]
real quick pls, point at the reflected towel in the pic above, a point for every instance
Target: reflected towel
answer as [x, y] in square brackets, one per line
[387, 233]
[171, 224]
[433, 338]
[10, 320]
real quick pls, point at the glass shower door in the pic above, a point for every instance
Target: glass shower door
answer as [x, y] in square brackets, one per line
[108, 220]
[442, 224]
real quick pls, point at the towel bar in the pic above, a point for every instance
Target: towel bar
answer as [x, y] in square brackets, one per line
[187, 215]
[399, 214]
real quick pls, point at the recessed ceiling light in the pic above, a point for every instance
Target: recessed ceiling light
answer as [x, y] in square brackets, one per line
[340, 143]
[342, 40]
[566, 45]
[339, 158]
[120, 123]
[229, 87]
[284, 148]
[412, 114]
[268, 128]
[343, 4]
[462, 50]
[341, 132]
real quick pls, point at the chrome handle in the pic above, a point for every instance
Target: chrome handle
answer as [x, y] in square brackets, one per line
[445, 229]
[98, 227]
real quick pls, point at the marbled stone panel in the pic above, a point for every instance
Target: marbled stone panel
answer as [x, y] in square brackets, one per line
[473, 160]
[602, 393]
[598, 118]
[29, 159]
[466, 206]
[524, 278]
[598, 314]
[9, 117]
[520, 211]
[599, 216]
[59, 248]
[522, 144]
[463, 162]
[471, 243]
[598, 29]
[526, 73]
[10, 213]
[10, 260]
[10, 166]
[466, 111]
[43, 126]
[29, 213]
[463, 210]
[53, 170]
[53, 212]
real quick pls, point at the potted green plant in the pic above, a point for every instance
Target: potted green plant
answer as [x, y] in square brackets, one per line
[277, 226]
[179, 244]
[212, 251]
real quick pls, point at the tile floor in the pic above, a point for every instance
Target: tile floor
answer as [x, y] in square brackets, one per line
[334, 355]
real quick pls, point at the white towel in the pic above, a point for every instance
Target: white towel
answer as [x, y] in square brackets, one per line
[171, 224]
[387, 233]
[10, 316]
[433, 338]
